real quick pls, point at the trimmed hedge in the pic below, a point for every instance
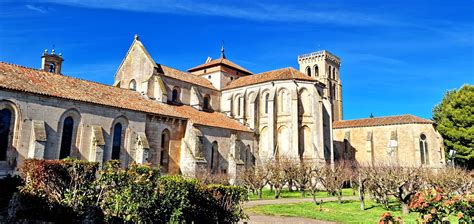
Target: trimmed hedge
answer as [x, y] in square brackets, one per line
[75, 191]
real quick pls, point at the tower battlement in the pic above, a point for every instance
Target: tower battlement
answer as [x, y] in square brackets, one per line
[322, 54]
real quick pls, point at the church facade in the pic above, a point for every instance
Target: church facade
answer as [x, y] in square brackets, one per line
[218, 116]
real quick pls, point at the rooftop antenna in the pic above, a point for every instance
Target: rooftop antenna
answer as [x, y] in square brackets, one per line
[222, 50]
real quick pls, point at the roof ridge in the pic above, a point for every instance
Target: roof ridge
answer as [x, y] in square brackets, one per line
[380, 117]
[62, 75]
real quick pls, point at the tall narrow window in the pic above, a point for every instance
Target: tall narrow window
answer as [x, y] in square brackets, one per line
[267, 97]
[329, 73]
[206, 102]
[66, 140]
[239, 105]
[133, 85]
[5, 122]
[334, 73]
[316, 71]
[308, 71]
[214, 158]
[165, 144]
[424, 150]
[175, 96]
[117, 141]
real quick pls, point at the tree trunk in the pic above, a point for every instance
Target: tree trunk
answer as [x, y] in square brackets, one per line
[259, 193]
[405, 208]
[361, 194]
[302, 192]
[271, 188]
[313, 192]
[339, 196]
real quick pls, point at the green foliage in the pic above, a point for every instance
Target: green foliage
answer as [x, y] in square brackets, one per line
[73, 191]
[8, 186]
[454, 117]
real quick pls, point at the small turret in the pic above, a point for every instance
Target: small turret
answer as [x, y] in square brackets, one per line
[51, 62]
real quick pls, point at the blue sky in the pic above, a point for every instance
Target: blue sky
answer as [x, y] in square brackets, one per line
[399, 57]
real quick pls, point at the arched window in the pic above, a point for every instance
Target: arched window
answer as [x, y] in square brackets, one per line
[424, 150]
[175, 95]
[117, 141]
[316, 71]
[308, 71]
[66, 139]
[133, 85]
[333, 73]
[238, 106]
[214, 158]
[164, 155]
[206, 102]
[5, 124]
[52, 67]
[304, 103]
[283, 101]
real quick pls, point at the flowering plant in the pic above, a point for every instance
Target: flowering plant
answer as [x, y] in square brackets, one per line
[434, 205]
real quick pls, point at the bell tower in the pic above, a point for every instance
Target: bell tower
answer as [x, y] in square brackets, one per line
[325, 67]
[51, 62]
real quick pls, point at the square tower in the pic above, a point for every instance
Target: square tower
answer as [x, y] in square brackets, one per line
[325, 67]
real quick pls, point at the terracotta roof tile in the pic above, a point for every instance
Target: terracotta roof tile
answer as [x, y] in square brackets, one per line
[279, 74]
[381, 121]
[220, 61]
[18, 78]
[185, 76]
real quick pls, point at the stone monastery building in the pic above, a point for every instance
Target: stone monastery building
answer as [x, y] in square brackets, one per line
[217, 116]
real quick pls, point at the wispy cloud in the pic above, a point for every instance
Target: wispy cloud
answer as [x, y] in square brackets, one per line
[36, 8]
[248, 11]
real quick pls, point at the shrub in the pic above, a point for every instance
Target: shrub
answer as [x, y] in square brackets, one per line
[435, 205]
[9, 185]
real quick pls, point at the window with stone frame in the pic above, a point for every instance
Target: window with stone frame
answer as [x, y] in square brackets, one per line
[117, 141]
[424, 155]
[5, 132]
[66, 139]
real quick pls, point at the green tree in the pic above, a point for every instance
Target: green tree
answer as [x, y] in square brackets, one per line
[454, 117]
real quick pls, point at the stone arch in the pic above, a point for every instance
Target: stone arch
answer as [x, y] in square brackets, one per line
[265, 102]
[133, 85]
[206, 102]
[316, 71]
[263, 142]
[283, 142]
[9, 130]
[305, 143]
[424, 152]
[118, 135]
[68, 133]
[304, 102]
[176, 95]
[283, 101]
[238, 109]
[165, 150]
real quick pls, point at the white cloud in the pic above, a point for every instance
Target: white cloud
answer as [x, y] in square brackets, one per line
[35, 8]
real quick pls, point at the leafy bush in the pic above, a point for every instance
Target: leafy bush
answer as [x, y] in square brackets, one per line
[73, 191]
[435, 205]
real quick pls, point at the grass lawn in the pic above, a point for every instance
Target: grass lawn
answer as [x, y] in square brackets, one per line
[347, 212]
[285, 193]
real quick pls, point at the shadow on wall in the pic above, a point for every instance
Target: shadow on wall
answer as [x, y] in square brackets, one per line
[344, 151]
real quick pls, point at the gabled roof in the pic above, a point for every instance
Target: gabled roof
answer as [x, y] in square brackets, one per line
[220, 61]
[184, 76]
[381, 121]
[274, 75]
[22, 79]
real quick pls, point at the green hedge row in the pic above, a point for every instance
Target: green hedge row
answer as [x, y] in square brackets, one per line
[76, 191]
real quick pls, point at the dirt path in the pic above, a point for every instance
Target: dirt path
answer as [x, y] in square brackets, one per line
[258, 218]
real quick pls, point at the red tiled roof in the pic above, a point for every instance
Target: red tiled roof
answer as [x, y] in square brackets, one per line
[279, 74]
[381, 121]
[18, 78]
[220, 61]
[185, 76]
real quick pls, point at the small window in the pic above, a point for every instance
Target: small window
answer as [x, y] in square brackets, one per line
[52, 67]
[316, 71]
[231, 78]
[308, 71]
[329, 73]
[175, 95]
[209, 77]
[206, 102]
[267, 97]
[424, 150]
[133, 85]
[205, 70]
